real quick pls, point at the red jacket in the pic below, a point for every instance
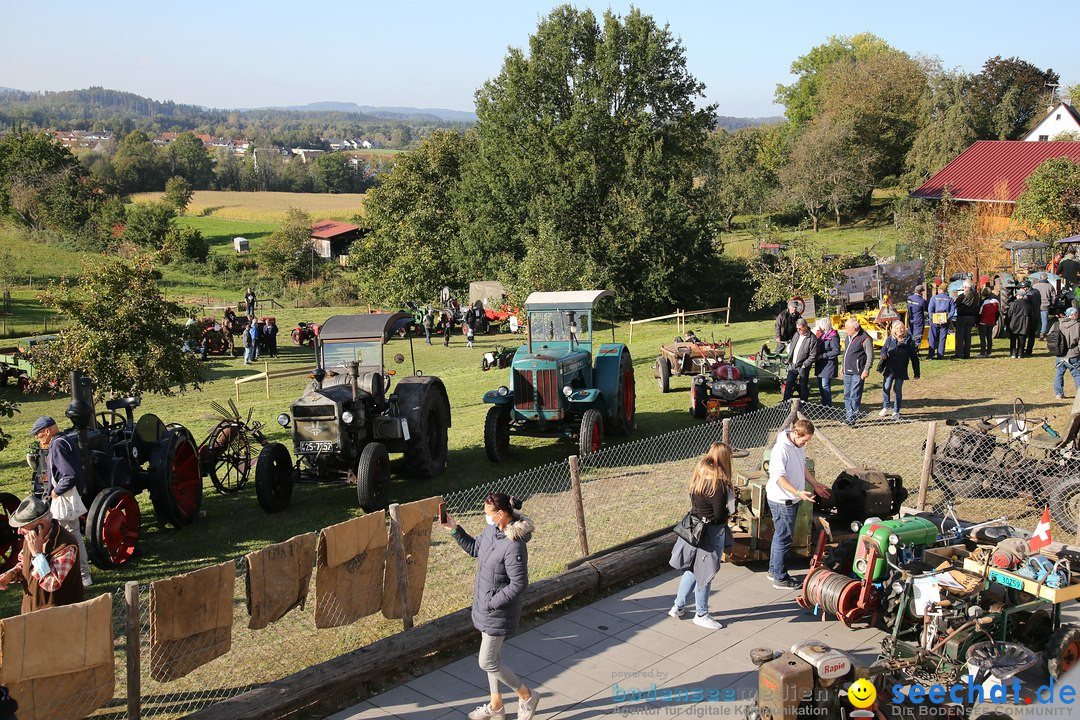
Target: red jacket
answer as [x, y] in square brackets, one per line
[988, 311]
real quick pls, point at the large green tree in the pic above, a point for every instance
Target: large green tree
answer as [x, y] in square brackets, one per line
[947, 125]
[188, 157]
[288, 253]
[592, 138]
[122, 331]
[736, 176]
[1051, 202]
[413, 224]
[43, 186]
[1008, 95]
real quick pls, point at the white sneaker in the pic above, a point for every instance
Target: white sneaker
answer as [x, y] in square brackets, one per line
[884, 412]
[484, 712]
[896, 417]
[527, 708]
[676, 611]
[707, 622]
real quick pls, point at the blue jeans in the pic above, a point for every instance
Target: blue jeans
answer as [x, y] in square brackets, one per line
[701, 594]
[427, 334]
[247, 354]
[853, 387]
[896, 385]
[783, 517]
[825, 388]
[1060, 366]
[1045, 315]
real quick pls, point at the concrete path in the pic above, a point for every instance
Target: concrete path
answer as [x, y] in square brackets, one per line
[605, 659]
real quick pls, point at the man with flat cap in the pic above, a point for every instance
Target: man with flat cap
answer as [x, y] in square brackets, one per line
[49, 554]
[65, 482]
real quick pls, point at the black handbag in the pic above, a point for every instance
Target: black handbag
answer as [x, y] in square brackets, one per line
[691, 529]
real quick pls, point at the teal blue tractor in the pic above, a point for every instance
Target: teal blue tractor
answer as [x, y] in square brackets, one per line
[559, 386]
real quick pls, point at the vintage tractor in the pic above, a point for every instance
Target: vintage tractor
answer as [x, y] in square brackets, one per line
[558, 385]
[348, 421]
[305, 333]
[122, 458]
[718, 382]
[680, 358]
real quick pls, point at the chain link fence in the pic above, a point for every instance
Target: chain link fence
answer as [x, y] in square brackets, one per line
[626, 490]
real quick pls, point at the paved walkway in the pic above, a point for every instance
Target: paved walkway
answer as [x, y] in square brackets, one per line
[582, 661]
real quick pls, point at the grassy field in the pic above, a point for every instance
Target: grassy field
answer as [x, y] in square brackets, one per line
[234, 525]
[266, 207]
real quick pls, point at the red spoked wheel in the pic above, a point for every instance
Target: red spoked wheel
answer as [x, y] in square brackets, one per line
[10, 540]
[112, 527]
[175, 478]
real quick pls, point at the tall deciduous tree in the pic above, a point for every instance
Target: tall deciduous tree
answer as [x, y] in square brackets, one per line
[1051, 203]
[800, 271]
[138, 164]
[736, 177]
[1008, 95]
[187, 156]
[593, 138]
[42, 185]
[947, 125]
[122, 331]
[414, 224]
[288, 253]
[178, 193]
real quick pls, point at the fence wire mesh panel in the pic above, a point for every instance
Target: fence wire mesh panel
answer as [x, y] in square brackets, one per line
[628, 490]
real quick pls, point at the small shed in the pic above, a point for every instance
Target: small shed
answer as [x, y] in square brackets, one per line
[241, 245]
[332, 239]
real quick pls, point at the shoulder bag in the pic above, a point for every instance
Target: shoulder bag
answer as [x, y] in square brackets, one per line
[691, 529]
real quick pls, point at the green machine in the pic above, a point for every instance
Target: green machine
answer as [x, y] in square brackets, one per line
[904, 539]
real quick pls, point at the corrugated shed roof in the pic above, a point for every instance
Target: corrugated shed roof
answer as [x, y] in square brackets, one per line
[325, 229]
[977, 173]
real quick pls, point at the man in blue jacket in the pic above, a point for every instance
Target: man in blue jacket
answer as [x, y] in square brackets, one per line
[916, 309]
[940, 309]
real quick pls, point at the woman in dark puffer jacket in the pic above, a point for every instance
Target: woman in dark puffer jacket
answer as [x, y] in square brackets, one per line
[502, 574]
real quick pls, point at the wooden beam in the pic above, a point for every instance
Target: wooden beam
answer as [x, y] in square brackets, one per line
[820, 435]
[928, 465]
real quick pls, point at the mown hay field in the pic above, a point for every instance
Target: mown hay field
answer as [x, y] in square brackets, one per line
[266, 207]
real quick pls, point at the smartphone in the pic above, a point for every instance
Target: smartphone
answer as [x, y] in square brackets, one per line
[442, 513]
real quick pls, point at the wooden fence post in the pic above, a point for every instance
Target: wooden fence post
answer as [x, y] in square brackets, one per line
[397, 540]
[579, 505]
[725, 431]
[727, 318]
[266, 370]
[927, 465]
[631, 340]
[134, 677]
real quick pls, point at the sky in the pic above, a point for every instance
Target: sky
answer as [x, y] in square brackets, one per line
[432, 54]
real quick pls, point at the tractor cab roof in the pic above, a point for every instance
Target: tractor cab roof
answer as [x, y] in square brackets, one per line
[357, 327]
[566, 300]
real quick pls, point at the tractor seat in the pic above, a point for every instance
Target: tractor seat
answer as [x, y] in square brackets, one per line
[124, 403]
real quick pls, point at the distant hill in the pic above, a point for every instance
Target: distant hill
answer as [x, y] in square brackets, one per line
[732, 124]
[386, 112]
[8, 90]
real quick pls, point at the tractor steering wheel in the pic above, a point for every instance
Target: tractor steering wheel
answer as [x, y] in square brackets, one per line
[112, 422]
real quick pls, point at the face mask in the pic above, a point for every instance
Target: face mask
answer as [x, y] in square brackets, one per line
[490, 520]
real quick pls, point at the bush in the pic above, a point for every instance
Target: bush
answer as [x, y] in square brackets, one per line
[188, 243]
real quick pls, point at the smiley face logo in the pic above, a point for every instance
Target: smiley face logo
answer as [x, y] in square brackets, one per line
[862, 694]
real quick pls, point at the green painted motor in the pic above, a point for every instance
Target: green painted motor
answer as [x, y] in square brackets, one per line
[912, 535]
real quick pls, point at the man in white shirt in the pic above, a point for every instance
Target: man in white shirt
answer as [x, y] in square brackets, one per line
[788, 476]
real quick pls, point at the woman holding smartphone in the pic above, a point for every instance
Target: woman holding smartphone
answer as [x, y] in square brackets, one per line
[712, 500]
[502, 574]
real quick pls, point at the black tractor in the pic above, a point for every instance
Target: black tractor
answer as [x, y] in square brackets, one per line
[349, 418]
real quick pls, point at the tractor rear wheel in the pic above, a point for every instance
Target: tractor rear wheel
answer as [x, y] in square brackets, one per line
[1063, 650]
[497, 433]
[591, 436]
[426, 449]
[112, 528]
[1065, 503]
[274, 478]
[373, 478]
[663, 374]
[10, 540]
[621, 419]
[175, 479]
[698, 395]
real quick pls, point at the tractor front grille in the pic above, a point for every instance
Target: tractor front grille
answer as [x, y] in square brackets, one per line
[529, 383]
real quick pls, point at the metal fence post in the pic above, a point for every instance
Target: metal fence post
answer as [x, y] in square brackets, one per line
[927, 466]
[134, 676]
[397, 540]
[579, 506]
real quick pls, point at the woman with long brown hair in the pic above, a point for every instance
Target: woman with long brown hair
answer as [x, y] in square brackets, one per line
[713, 500]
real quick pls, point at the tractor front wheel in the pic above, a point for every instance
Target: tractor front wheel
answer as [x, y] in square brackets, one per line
[1063, 650]
[426, 448]
[274, 478]
[591, 437]
[373, 478]
[497, 433]
[698, 395]
[663, 374]
[1065, 503]
[112, 528]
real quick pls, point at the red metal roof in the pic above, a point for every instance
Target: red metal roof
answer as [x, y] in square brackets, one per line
[976, 174]
[325, 229]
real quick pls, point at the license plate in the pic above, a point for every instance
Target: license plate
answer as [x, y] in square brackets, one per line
[316, 446]
[1005, 580]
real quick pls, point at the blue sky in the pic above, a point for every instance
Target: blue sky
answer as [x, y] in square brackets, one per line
[427, 53]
